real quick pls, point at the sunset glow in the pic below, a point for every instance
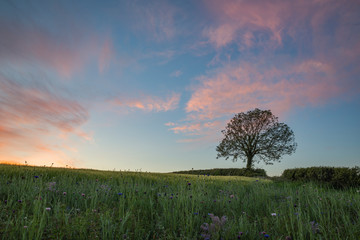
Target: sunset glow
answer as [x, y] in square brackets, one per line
[150, 84]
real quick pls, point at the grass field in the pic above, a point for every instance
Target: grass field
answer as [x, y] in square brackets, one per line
[54, 203]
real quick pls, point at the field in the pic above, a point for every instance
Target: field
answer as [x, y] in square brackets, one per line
[55, 203]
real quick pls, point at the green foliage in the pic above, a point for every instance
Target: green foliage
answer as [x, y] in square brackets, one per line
[228, 172]
[338, 177]
[128, 205]
[256, 136]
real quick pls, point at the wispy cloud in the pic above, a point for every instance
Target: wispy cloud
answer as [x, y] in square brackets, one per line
[106, 54]
[32, 114]
[176, 73]
[245, 86]
[156, 19]
[66, 51]
[149, 103]
[279, 56]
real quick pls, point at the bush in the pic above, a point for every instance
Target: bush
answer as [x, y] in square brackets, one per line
[227, 172]
[338, 177]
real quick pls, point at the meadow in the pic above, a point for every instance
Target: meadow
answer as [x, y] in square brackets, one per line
[56, 203]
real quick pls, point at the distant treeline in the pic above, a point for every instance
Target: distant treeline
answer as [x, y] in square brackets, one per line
[227, 172]
[338, 177]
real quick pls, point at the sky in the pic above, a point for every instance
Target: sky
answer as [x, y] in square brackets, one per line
[149, 85]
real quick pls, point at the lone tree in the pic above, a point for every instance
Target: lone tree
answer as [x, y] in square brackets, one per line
[254, 136]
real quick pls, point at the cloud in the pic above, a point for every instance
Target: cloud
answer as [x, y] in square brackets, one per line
[32, 113]
[66, 50]
[194, 128]
[106, 55]
[157, 19]
[187, 128]
[222, 35]
[176, 73]
[150, 103]
[279, 56]
[272, 24]
[244, 86]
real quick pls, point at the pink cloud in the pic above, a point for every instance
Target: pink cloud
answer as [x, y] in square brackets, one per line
[176, 73]
[32, 114]
[106, 55]
[243, 87]
[150, 103]
[195, 128]
[21, 45]
[157, 19]
[221, 35]
[186, 128]
[251, 23]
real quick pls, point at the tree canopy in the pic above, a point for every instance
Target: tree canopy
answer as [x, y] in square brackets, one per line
[256, 136]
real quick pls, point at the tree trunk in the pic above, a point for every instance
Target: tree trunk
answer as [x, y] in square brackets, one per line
[249, 162]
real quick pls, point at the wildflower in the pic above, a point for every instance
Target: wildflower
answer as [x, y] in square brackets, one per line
[273, 214]
[239, 235]
[266, 235]
[232, 196]
[19, 201]
[314, 227]
[83, 194]
[205, 226]
[36, 176]
[47, 209]
[120, 194]
[171, 197]
[288, 238]
[25, 226]
[64, 193]
[188, 183]
[195, 213]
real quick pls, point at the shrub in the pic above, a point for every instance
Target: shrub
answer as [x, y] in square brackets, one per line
[337, 177]
[227, 172]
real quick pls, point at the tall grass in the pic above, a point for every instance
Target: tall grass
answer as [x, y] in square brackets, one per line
[51, 203]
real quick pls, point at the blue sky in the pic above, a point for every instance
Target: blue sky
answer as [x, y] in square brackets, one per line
[150, 84]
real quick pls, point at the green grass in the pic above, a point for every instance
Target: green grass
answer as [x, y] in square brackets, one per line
[118, 205]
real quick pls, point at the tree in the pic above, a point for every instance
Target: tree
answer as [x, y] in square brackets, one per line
[256, 136]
